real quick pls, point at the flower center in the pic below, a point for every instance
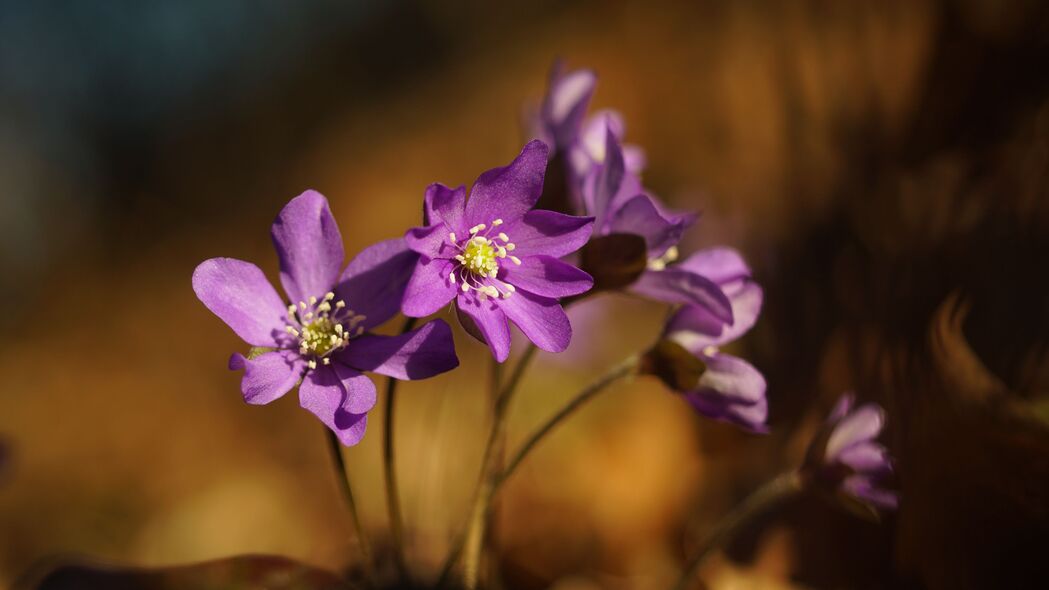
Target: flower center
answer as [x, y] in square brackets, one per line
[661, 263]
[322, 327]
[478, 258]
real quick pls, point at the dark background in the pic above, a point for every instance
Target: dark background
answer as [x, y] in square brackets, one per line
[884, 166]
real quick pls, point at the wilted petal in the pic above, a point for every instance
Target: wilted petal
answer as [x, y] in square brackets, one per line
[374, 282]
[490, 321]
[418, 354]
[340, 399]
[509, 192]
[429, 288]
[308, 245]
[540, 318]
[268, 376]
[547, 276]
[445, 206]
[674, 285]
[240, 295]
[550, 233]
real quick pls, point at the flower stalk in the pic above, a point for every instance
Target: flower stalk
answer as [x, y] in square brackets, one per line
[393, 500]
[761, 500]
[347, 494]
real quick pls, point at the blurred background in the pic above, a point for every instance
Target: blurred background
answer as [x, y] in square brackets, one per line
[883, 165]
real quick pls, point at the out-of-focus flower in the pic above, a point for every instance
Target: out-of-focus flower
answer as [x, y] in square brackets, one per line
[561, 122]
[321, 337]
[497, 258]
[730, 388]
[846, 458]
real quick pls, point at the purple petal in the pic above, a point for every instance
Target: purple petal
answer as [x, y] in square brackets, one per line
[731, 390]
[540, 319]
[721, 265]
[374, 282]
[547, 276]
[490, 321]
[550, 233]
[639, 215]
[870, 458]
[445, 205]
[674, 285]
[566, 103]
[844, 405]
[509, 192]
[429, 288]
[308, 245]
[696, 328]
[430, 241]
[341, 398]
[421, 353]
[634, 158]
[240, 295]
[863, 488]
[606, 179]
[863, 424]
[268, 376]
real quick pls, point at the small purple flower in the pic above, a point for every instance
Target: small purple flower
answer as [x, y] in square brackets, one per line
[321, 337]
[497, 258]
[560, 123]
[730, 389]
[846, 457]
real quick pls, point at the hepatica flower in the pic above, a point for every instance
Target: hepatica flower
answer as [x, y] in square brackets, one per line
[845, 456]
[497, 258]
[320, 334]
[730, 389]
[561, 121]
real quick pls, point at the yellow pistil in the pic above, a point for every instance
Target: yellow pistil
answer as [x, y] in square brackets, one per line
[479, 257]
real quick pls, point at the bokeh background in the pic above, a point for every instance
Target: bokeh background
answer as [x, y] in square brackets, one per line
[884, 166]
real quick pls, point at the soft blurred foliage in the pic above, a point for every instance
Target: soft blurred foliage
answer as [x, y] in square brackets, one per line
[884, 166]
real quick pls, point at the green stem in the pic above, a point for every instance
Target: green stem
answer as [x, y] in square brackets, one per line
[757, 503]
[347, 493]
[479, 506]
[621, 370]
[393, 500]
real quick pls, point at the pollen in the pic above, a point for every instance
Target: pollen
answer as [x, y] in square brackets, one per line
[478, 257]
[322, 326]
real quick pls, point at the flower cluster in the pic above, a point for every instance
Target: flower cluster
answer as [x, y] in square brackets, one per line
[719, 300]
[497, 258]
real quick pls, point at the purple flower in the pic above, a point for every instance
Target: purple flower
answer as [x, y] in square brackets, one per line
[497, 258]
[560, 123]
[321, 337]
[845, 457]
[730, 389]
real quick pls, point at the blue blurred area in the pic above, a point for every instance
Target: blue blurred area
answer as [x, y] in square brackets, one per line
[89, 89]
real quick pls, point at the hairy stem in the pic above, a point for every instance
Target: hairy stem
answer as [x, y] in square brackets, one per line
[473, 538]
[347, 493]
[621, 370]
[393, 499]
[757, 503]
